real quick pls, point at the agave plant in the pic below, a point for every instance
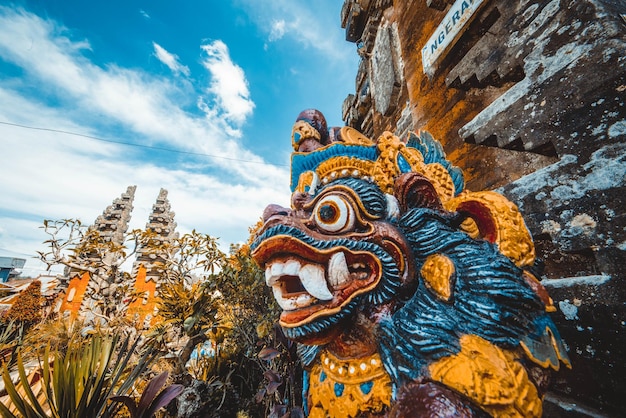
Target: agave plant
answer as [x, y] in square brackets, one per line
[77, 383]
[151, 400]
[10, 338]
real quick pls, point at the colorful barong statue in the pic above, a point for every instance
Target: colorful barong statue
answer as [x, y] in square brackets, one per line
[408, 295]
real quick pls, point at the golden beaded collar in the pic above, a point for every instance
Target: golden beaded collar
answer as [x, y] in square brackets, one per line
[352, 370]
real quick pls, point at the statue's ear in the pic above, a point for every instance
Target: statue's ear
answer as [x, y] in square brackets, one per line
[415, 191]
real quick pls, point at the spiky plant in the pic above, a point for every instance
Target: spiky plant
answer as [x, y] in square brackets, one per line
[9, 339]
[77, 383]
[58, 334]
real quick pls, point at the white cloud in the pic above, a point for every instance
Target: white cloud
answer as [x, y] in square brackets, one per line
[144, 14]
[277, 30]
[228, 84]
[54, 175]
[170, 60]
[149, 106]
[311, 24]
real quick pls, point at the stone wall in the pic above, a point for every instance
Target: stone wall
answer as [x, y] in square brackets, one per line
[529, 99]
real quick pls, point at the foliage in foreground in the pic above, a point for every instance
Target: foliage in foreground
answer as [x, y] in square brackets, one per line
[266, 366]
[205, 295]
[151, 399]
[24, 313]
[77, 383]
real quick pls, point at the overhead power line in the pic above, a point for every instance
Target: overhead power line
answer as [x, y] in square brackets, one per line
[14, 252]
[130, 144]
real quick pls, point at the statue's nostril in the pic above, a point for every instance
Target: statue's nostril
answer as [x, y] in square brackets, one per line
[273, 210]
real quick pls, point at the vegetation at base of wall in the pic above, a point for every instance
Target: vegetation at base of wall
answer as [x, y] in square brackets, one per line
[207, 299]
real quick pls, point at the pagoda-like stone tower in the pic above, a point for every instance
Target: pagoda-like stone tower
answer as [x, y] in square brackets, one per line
[148, 268]
[85, 289]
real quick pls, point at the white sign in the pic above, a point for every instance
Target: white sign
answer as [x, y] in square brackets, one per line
[448, 32]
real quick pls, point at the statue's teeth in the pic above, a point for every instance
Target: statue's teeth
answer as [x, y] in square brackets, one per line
[291, 268]
[292, 303]
[268, 275]
[312, 278]
[274, 271]
[278, 295]
[338, 273]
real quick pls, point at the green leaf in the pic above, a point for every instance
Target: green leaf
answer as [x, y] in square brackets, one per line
[189, 323]
[26, 386]
[20, 404]
[5, 412]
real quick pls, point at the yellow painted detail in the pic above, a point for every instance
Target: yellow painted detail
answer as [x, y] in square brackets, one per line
[347, 388]
[512, 236]
[305, 181]
[351, 136]
[383, 171]
[386, 169]
[437, 272]
[344, 167]
[305, 130]
[470, 228]
[440, 178]
[414, 158]
[491, 377]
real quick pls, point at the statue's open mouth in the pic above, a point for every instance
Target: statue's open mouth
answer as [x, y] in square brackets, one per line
[308, 283]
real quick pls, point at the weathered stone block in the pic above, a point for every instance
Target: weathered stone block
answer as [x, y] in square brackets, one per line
[385, 73]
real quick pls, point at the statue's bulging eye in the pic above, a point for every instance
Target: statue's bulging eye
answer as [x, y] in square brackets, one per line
[334, 214]
[328, 213]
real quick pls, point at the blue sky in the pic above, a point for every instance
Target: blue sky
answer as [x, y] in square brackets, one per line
[206, 90]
